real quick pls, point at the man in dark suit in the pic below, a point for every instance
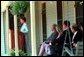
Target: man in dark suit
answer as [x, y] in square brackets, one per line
[77, 35]
[67, 33]
[65, 38]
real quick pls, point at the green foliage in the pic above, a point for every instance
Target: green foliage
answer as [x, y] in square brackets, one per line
[21, 53]
[12, 52]
[19, 7]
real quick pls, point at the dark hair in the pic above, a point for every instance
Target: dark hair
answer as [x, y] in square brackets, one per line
[75, 27]
[67, 23]
[23, 18]
[21, 15]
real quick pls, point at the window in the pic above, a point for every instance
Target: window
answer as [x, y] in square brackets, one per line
[44, 21]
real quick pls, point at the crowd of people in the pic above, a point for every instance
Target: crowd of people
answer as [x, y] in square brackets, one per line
[67, 35]
[61, 35]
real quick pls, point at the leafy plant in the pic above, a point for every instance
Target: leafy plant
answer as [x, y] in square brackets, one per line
[12, 52]
[19, 7]
[21, 53]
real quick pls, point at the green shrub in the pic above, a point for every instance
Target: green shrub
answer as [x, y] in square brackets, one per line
[21, 53]
[12, 52]
[19, 7]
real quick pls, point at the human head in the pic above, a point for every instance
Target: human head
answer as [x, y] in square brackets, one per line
[22, 19]
[53, 27]
[74, 28]
[66, 24]
[59, 29]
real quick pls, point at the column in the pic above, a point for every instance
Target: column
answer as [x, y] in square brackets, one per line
[16, 36]
[7, 30]
[2, 36]
[33, 28]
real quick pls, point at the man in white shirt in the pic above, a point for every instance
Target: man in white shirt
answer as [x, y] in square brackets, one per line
[76, 37]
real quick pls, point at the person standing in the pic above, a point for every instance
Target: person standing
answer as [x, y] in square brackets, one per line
[24, 31]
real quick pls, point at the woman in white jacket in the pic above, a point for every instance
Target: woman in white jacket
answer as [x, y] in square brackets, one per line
[24, 30]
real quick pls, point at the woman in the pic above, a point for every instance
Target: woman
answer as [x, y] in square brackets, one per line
[45, 45]
[58, 43]
[24, 28]
[24, 31]
[59, 30]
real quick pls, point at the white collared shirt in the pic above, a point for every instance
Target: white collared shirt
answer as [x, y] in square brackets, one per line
[24, 28]
[74, 36]
[65, 28]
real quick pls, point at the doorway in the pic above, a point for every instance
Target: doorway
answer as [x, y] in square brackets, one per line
[44, 21]
[59, 13]
[21, 39]
[79, 12]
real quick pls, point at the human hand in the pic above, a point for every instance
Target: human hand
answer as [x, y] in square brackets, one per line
[74, 44]
[50, 43]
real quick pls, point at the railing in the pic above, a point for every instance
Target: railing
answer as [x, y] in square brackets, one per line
[68, 51]
[79, 50]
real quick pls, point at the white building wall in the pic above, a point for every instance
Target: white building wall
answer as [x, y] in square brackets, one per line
[69, 11]
[51, 15]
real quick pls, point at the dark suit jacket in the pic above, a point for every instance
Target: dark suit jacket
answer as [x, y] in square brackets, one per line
[78, 37]
[68, 35]
[58, 43]
[52, 37]
[65, 35]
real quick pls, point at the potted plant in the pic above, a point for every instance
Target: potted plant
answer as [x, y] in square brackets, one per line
[19, 7]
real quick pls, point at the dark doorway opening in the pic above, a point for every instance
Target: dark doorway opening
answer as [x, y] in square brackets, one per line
[79, 12]
[44, 21]
[59, 13]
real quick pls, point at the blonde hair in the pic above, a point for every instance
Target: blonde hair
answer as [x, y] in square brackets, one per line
[59, 28]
